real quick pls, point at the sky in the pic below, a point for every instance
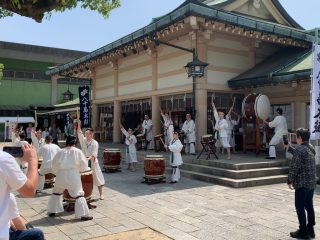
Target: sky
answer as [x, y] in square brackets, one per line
[86, 30]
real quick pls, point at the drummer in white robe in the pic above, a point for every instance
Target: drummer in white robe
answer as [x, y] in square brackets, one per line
[147, 131]
[47, 151]
[168, 127]
[131, 150]
[19, 143]
[175, 147]
[279, 124]
[67, 165]
[37, 140]
[220, 129]
[90, 148]
[188, 128]
[231, 124]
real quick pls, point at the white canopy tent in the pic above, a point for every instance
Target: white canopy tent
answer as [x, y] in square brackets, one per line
[10, 122]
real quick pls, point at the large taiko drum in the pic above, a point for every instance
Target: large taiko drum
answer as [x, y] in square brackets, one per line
[154, 166]
[87, 185]
[112, 159]
[256, 105]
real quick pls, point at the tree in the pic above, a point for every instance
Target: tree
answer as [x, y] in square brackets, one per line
[37, 9]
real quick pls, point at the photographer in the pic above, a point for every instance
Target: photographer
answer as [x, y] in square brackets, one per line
[12, 178]
[302, 178]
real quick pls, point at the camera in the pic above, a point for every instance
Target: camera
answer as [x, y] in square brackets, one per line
[14, 151]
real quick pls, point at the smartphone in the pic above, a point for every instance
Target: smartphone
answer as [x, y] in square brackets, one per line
[14, 151]
[285, 139]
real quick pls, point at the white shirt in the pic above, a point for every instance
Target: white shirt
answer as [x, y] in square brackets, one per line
[279, 124]
[48, 151]
[11, 178]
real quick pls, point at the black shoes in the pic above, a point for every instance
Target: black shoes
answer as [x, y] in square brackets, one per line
[52, 214]
[300, 235]
[172, 182]
[270, 158]
[86, 218]
[311, 233]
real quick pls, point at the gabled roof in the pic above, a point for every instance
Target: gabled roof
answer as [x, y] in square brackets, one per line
[223, 3]
[190, 8]
[288, 64]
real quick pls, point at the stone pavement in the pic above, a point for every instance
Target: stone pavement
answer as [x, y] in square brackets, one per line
[187, 210]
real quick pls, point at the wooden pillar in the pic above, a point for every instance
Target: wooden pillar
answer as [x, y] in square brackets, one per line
[300, 115]
[155, 99]
[156, 117]
[201, 94]
[54, 89]
[94, 116]
[116, 118]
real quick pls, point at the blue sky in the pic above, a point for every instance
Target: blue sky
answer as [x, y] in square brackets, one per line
[86, 30]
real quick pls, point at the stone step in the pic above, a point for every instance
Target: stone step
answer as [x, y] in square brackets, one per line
[236, 183]
[235, 174]
[234, 165]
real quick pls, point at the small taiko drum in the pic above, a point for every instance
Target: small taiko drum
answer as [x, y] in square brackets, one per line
[87, 185]
[49, 180]
[112, 159]
[154, 166]
[256, 105]
[140, 139]
[158, 145]
[207, 138]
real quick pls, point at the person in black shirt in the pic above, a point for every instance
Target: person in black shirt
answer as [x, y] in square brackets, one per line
[302, 178]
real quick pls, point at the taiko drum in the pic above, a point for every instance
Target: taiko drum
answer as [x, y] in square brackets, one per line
[87, 185]
[112, 158]
[154, 166]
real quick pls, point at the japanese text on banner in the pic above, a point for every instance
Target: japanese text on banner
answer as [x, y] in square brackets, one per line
[315, 95]
[84, 99]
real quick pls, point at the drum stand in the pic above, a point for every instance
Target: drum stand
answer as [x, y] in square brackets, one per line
[151, 181]
[209, 148]
[257, 145]
[112, 170]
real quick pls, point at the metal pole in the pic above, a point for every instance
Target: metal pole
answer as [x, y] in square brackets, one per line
[194, 88]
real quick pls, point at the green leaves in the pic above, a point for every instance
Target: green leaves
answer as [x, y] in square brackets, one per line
[37, 9]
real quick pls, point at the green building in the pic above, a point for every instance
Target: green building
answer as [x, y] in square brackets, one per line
[25, 87]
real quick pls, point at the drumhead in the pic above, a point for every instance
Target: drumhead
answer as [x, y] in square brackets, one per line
[111, 150]
[262, 107]
[154, 156]
[206, 136]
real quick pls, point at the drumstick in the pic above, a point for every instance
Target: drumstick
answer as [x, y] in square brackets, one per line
[162, 141]
[35, 118]
[78, 113]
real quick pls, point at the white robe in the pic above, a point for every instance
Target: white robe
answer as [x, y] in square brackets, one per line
[131, 141]
[91, 149]
[48, 151]
[37, 143]
[189, 129]
[279, 124]
[168, 129]
[67, 165]
[147, 126]
[175, 158]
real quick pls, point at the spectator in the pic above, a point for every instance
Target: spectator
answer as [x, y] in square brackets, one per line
[18, 229]
[12, 178]
[302, 178]
[54, 132]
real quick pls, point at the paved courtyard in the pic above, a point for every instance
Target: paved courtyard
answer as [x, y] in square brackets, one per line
[187, 210]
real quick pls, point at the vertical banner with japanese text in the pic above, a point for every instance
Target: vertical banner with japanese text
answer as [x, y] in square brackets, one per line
[84, 100]
[315, 94]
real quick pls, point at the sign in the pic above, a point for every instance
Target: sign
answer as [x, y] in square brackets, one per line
[84, 99]
[315, 94]
[67, 119]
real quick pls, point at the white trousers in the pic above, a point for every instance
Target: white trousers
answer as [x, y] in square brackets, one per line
[41, 181]
[150, 144]
[175, 173]
[275, 140]
[55, 202]
[189, 148]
